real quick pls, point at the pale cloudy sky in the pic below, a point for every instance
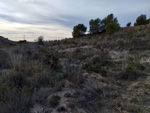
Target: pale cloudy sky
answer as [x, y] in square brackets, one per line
[55, 18]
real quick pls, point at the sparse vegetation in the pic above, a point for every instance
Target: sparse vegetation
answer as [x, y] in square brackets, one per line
[97, 73]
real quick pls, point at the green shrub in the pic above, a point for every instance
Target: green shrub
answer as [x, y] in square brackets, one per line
[52, 60]
[141, 20]
[128, 24]
[101, 60]
[134, 68]
[97, 68]
[112, 27]
[22, 41]
[98, 64]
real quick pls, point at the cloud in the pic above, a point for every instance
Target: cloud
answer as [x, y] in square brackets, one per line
[57, 18]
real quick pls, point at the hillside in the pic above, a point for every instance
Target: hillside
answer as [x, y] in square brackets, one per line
[5, 42]
[92, 74]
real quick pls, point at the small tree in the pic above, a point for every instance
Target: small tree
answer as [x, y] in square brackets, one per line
[128, 24]
[79, 30]
[107, 20]
[141, 20]
[95, 26]
[40, 40]
[112, 27]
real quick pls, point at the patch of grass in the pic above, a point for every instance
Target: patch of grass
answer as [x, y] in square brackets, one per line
[44, 78]
[17, 100]
[59, 76]
[16, 61]
[97, 68]
[98, 64]
[147, 86]
[74, 74]
[17, 80]
[141, 108]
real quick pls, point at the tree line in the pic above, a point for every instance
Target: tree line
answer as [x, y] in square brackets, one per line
[109, 25]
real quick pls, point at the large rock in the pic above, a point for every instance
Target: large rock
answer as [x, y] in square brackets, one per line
[4, 60]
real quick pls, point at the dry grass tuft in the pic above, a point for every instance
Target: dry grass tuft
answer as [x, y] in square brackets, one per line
[16, 61]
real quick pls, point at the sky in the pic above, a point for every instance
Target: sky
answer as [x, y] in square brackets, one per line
[55, 19]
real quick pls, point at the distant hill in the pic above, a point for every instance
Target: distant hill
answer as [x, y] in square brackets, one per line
[5, 41]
